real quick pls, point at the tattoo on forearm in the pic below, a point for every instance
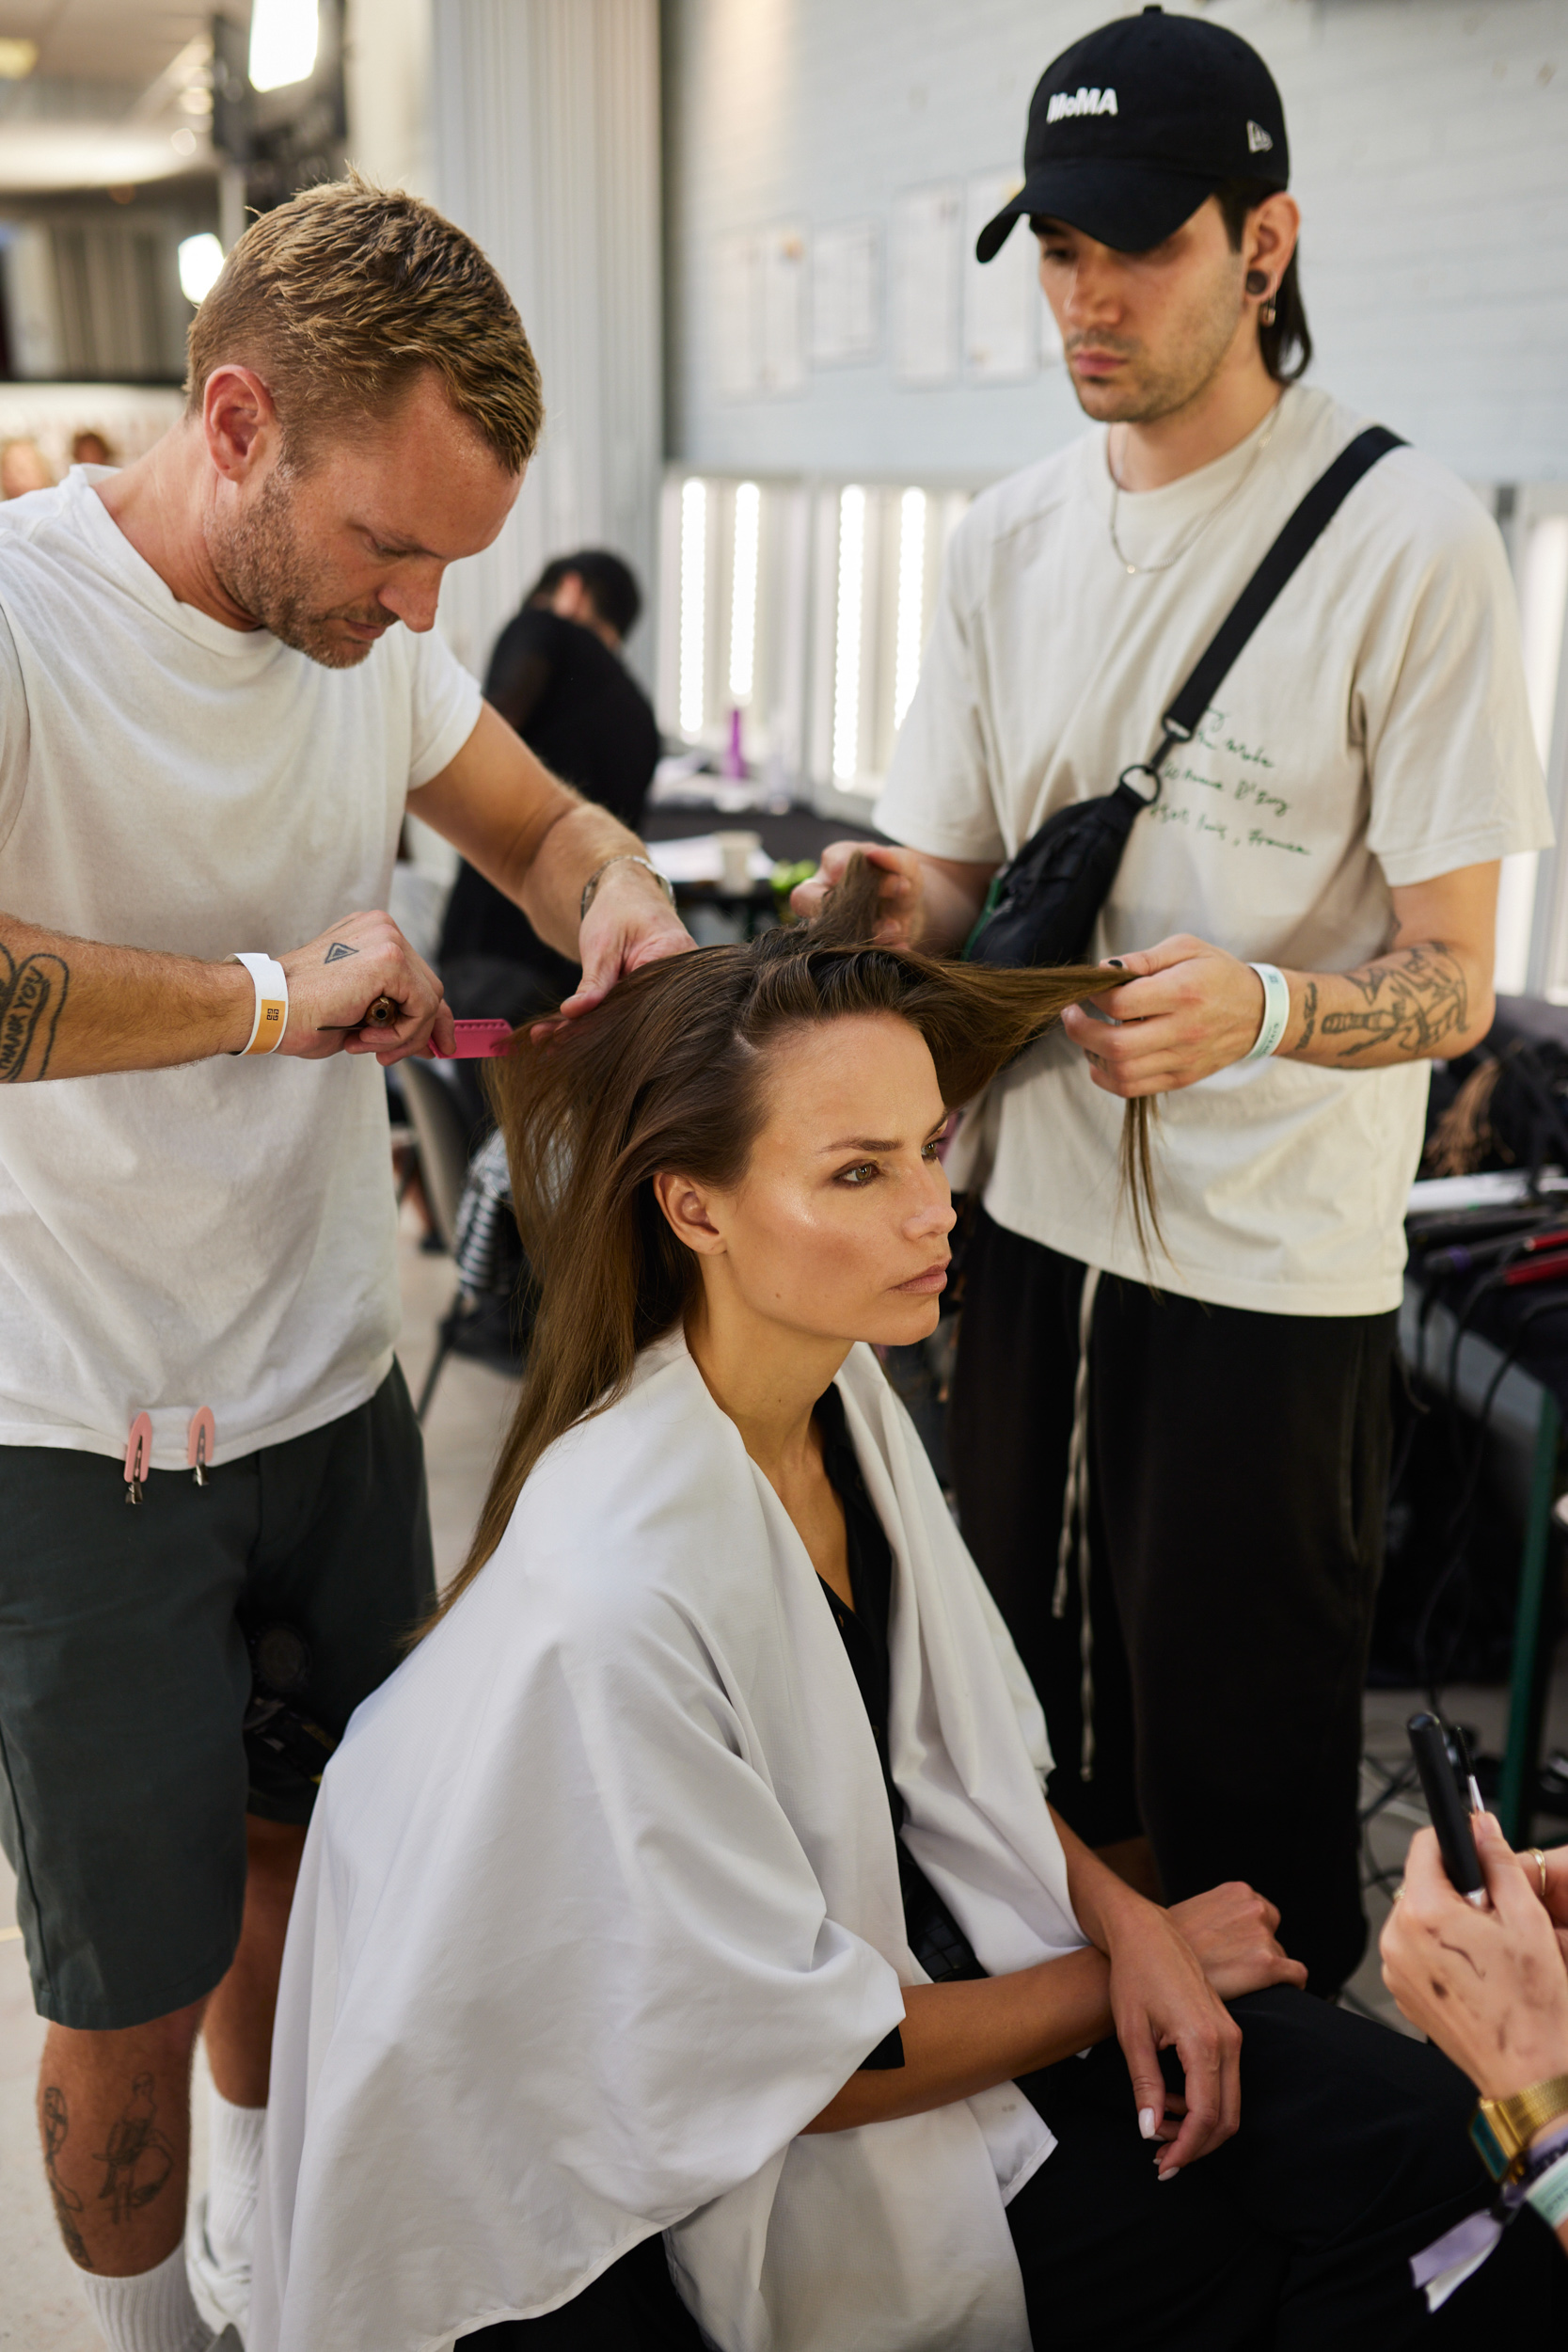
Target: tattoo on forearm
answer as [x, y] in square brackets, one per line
[339, 949]
[1309, 1014]
[1417, 1001]
[31, 995]
[139, 2160]
[67, 2205]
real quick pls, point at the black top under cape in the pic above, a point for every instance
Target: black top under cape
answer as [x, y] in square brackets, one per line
[935, 1936]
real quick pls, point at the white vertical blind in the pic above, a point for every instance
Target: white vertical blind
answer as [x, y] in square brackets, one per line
[546, 151]
[912, 600]
[693, 612]
[849, 635]
[743, 591]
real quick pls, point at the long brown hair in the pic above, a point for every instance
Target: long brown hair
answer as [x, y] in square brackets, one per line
[668, 1074]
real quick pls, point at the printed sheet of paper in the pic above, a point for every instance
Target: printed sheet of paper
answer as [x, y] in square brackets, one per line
[759, 309]
[927, 224]
[845, 294]
[782, 360]
[1001, 298]
[738, 316]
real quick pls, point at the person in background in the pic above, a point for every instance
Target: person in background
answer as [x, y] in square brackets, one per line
[24, 468]
[89, 448]
[1490, 1987]
[1198, 1629]
[556, 675]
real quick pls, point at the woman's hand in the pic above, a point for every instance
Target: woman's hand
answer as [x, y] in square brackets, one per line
[1490, 1987]
[1234, 1931]
[1161, 1999]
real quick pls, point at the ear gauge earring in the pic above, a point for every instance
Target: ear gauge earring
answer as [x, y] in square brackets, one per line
[1256, 282]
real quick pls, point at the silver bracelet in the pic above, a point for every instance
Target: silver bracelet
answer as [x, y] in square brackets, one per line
[623, 857]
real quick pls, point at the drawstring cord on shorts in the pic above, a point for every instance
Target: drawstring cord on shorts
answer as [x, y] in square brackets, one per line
[1076, 1522]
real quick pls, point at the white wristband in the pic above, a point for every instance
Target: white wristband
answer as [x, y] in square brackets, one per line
[1277, 1012]
[271, 983]
[1549, 2192]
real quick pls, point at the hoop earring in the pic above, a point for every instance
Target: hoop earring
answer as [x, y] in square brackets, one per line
[1267, 312]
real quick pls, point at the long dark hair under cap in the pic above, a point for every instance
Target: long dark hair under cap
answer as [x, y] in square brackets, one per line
[667, 1076]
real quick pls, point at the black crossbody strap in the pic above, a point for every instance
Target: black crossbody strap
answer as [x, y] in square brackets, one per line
[1311, 517]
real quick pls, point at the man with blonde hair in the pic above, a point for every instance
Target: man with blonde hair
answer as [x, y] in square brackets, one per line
[210, 726]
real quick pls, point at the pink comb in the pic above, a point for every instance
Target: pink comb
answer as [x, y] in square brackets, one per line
[480, 1040]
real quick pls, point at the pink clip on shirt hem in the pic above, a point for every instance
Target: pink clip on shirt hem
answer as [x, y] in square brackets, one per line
[138, 1456]
[201, 1443]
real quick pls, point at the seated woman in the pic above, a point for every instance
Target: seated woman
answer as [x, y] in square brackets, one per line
[684, 1952]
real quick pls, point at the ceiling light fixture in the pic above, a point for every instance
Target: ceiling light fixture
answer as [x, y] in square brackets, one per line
[17, 59]
[284, 38]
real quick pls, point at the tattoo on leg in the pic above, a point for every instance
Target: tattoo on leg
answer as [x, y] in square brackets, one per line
[1416, 1000]
[1309, 1015]
[139, 2160]
[31, 995]
[339, 949]
[67, 2205]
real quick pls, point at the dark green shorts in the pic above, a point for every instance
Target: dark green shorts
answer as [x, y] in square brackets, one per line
[125, 1675]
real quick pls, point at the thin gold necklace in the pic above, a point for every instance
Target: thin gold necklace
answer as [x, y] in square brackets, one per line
[1147, 570]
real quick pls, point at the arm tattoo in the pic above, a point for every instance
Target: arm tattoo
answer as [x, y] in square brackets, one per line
[67, 2205]
[1309, 1016]
[339, 949]
[1416, 1000]
[138, 2159]
[31, 996]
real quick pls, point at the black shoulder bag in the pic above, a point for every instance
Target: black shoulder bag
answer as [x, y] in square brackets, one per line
[1041, 906]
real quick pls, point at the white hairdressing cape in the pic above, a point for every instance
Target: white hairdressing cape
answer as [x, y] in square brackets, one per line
[600, 1907]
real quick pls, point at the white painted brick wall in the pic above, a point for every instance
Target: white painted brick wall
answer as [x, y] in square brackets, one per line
[1430, 147]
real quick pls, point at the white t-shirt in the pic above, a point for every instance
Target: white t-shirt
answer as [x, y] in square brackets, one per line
[1374, 732]
[220, 1234]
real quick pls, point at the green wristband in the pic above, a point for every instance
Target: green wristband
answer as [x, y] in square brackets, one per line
[1549, 2194]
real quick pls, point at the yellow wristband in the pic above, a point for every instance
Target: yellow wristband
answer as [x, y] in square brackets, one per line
[271, 984]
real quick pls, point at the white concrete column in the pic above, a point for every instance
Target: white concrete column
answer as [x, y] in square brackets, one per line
[546, 148]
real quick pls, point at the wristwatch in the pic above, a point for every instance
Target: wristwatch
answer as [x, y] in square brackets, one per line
[1502, 2129]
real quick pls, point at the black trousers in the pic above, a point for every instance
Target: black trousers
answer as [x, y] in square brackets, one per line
[1295, 2235]
[1238, 1471]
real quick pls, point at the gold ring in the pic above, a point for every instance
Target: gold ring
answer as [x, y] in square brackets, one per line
[1540, 1861]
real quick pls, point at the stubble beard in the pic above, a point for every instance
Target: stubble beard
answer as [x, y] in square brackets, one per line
[260, 563]
[1154, 388]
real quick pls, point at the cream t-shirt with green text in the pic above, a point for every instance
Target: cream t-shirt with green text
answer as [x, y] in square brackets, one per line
[1374, 732]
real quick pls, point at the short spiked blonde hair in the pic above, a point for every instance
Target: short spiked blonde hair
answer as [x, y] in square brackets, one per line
[341, 298]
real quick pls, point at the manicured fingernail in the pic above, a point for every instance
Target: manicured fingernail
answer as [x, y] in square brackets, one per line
[1174, 2174]
[1118, 962]
[1145, 2121]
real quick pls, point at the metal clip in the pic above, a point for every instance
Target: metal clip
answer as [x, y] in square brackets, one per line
[138, 1456]
[201, 1444]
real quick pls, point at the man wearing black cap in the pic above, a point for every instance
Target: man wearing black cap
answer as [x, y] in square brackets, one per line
[1340, 813]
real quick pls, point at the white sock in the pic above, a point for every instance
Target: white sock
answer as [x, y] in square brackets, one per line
[154, 2311]
[233, 2177]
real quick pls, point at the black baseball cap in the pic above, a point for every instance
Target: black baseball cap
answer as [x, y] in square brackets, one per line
[1135, 125]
